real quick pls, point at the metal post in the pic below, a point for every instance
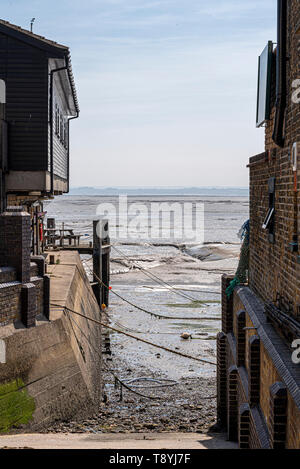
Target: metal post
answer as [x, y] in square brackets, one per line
[51, 234]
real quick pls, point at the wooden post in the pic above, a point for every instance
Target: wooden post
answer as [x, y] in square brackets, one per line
[50, 234]
[37, 231]
[97, 261]
[106, 264]
[101, 261]
[62, 234]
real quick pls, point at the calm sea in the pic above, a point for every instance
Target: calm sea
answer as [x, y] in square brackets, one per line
[223, 216]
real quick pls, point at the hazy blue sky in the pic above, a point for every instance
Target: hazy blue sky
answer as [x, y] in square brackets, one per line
[167, 88]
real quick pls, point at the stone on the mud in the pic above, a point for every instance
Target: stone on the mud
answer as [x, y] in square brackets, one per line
[185, 335]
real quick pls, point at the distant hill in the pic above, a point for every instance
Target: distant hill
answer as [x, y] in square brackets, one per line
[135, 191]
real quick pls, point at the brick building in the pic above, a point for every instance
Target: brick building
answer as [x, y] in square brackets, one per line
[258, 374]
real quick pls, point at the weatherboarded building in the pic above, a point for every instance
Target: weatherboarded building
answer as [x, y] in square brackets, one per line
[40, 100]
[259, 346]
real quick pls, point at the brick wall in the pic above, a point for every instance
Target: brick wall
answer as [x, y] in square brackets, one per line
[274, 270]
[24, 287]
[10, 299]
[293, 424]
[10, 302]
[258, 369]
[269, 376]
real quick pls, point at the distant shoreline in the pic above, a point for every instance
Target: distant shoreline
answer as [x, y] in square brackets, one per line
[148, 192]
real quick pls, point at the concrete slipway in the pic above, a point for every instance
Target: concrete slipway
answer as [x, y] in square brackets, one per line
[113, 441]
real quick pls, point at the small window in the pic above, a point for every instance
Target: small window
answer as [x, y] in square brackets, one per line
[61, 126]
[56, 120]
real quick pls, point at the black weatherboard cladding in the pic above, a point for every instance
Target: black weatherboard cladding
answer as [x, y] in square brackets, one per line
[24, 65]
[25, 71]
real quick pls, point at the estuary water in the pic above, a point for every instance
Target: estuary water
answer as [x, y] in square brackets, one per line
[223, 216]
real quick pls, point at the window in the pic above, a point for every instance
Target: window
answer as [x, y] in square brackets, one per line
[56, 119]
[61, 127]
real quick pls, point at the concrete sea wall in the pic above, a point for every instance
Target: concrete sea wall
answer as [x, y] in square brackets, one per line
[52, 371]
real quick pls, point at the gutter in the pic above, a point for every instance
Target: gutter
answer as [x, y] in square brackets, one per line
[281, 86]
[56, 70]
[71, 79]
[68, 170]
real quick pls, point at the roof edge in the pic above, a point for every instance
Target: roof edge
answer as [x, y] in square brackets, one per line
[32, 39]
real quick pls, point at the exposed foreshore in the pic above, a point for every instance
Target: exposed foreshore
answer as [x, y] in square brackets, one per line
[190, 404]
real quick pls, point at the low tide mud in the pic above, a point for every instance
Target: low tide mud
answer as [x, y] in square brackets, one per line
[180, 392]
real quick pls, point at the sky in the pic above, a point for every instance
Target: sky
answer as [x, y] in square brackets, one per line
[166, 88]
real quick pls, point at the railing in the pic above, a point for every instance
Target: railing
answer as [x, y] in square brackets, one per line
[99, 249]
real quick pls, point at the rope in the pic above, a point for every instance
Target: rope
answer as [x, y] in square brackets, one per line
[153, 276]
[159, 316]
[158, 280]
[135, 331]
[161, 382]
[187, 289]
[134, 337]
[122, 383]
[161, 281]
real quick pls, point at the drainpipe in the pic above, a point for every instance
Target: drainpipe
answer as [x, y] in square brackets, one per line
[281, 58]
[68, 170]
[56, 70]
